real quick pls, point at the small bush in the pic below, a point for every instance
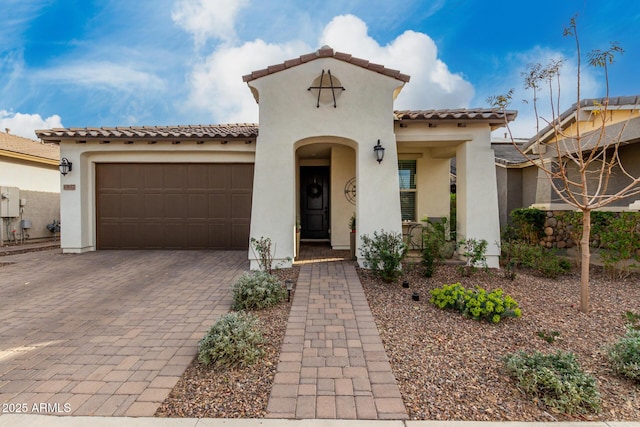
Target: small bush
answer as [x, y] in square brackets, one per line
[624, 355]
[255, 291]
[232, 341]
[383, 254]
[555, 380]
[475, 251]
[433, 246]
[476, 303]
[521, 254]
[528, 224]
[620, 241]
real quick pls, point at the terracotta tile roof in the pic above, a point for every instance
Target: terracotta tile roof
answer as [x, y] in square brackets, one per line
[239, 130]
[326, 52]
[25, 146]
[480, 114]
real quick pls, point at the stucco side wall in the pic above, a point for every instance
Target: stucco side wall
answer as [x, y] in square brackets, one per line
[433, 185]
[288, 114]
[77, 198]
[342, 170]
[29, 176]
[477, 195]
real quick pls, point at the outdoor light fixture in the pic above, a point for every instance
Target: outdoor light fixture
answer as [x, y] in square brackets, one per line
[405, 284]
[415, 296]
[289, 284]
[64, 166]
[379, 151]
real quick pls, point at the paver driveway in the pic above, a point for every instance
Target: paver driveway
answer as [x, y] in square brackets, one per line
[105, 333]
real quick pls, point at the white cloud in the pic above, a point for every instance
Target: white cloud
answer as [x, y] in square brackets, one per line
[25, 124]
[206, 19]
[103, 75]
[525, 124]
[217, 87]
[432, 85]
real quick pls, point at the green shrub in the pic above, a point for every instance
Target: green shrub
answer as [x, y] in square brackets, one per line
[624, 355]
[521, 254]
[433, 246]
[383, 254]
[257, 290]
[232, 341]
[528, 224]
[620, 240]
[475, 251]
[555, 380]
[475, 303]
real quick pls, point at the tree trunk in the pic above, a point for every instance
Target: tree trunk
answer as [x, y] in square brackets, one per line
[585, 260]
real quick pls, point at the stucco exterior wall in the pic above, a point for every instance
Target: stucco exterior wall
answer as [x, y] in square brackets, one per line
[343, 168]
[290, 119]
[29, 175]
[77, 197]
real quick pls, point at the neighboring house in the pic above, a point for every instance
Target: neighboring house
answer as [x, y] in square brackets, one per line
[30, 188]
[322, 115]
[522, 184]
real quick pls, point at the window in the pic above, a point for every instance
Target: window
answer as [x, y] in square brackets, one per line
[407, 178]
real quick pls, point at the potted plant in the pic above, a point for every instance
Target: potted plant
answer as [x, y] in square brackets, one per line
[352, 241]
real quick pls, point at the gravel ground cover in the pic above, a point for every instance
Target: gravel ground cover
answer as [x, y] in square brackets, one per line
[449, 367]
[203, 391]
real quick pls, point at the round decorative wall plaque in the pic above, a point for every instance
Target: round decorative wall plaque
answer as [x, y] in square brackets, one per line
[350, 190]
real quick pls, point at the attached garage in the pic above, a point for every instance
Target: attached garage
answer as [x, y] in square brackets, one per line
[173, 205]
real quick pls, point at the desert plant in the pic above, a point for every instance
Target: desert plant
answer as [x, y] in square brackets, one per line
[554, 380]
[234, 340]
[475, 251]
[262, 250]
[433, 245]
[475, 303]
[257, 290]
[624, 355]
[521, 254]
[549, 336]
[632, 319]
[528, 224]
[620, 240]
[383, 254]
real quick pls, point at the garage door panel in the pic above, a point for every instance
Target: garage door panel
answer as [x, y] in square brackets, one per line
[173, 206]
[221, 236]
[154, 177]
[198, 206]
[241, 177]
[219, 178]
[154, 235]
[219, 208]
[241, 206]
[111, 205]
[130, 177]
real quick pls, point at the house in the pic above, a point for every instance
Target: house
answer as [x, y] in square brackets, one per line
[29, 188]
[522, 184]
[329, 145]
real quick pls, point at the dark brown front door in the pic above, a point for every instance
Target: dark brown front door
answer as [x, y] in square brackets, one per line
[173, 206]
[314, 202]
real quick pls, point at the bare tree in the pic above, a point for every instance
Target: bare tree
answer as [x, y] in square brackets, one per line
[578, 165]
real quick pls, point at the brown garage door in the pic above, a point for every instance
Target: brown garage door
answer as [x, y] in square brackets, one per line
[173, 206]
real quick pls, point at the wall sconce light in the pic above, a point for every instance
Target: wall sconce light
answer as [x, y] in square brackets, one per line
[379, 152]
[65, 166]
[289, 284]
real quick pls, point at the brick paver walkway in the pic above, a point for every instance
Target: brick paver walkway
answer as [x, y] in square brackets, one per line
[332, 363]
[109, 332]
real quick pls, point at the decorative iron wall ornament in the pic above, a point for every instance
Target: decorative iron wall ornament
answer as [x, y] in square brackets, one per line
[350, 190]
[326, 81]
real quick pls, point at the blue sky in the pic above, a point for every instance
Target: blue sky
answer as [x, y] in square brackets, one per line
[79, 63]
